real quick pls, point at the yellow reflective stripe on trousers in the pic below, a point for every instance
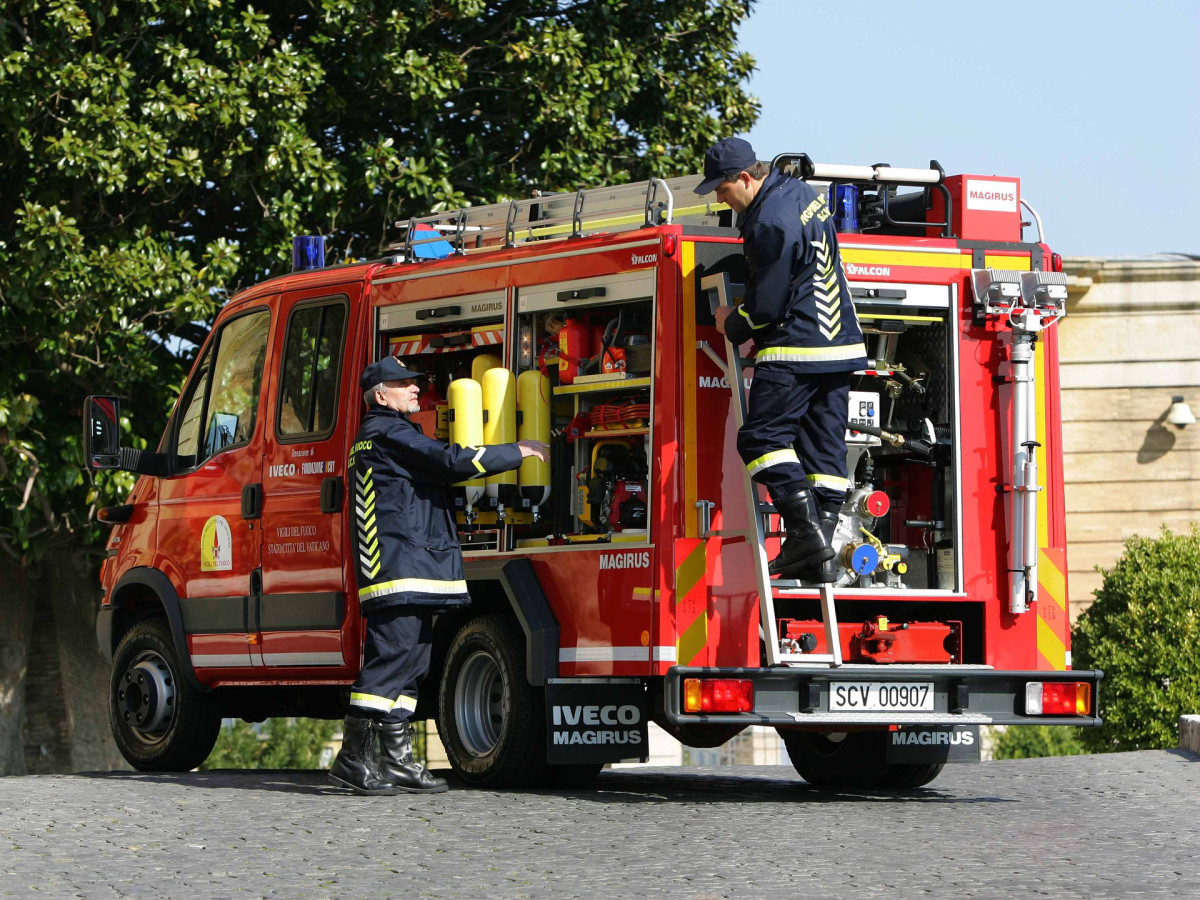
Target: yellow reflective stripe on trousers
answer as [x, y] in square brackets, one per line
[835, 482]
[774, 458]
[811, 354]
[371, 701]
[408, 703]
[421, 585]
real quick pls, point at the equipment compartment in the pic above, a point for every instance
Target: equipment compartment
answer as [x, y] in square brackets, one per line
[590, 344]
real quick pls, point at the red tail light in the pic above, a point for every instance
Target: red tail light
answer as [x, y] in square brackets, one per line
[669, 245]
[1058, 698]
[717, 695]
[1055, 262]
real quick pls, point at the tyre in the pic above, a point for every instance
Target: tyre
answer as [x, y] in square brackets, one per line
[489, 718]
[905, 776]
[570, 776]
[856, 759]
[160, 720]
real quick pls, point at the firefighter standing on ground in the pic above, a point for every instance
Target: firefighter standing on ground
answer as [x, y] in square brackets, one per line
[409, 566]
[797, 309]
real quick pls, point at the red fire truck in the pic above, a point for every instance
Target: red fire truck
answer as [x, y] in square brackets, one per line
[624, 581]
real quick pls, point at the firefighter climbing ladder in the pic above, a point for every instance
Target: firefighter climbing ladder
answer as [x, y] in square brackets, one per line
[760, 512]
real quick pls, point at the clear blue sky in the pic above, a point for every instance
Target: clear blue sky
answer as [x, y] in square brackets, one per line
[1093, 105]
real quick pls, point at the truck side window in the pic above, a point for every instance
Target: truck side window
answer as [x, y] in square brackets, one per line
[225, 397]
[192, 413]
[312, 358]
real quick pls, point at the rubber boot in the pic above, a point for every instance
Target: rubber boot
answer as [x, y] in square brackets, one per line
[826, 571]
[805, 547]
[398, 766]
[357, 766]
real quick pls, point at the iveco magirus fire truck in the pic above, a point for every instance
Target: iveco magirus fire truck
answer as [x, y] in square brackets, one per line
[625, 580]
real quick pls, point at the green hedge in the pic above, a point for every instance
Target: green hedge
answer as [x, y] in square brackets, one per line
[1144, 632]
[283, 743]
[1028, 741]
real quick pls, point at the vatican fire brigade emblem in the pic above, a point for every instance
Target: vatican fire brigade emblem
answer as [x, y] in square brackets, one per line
[216, 546]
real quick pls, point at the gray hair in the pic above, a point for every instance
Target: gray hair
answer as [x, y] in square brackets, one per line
[369, 393]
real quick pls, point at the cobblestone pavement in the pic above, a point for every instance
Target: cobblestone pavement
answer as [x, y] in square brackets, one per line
[1119, 825]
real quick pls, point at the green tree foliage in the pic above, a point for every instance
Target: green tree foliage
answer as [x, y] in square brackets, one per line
[155, 153]
[1029, 741]
[1144, 631]
[283, 743]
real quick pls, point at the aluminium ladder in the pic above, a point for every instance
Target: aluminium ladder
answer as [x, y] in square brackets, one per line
[760, 512]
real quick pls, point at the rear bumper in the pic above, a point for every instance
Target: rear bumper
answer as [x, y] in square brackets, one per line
[963, 695]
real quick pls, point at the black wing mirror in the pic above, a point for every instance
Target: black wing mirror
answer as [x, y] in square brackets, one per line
[102, 432]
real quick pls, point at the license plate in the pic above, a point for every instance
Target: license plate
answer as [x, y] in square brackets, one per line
[874, 696]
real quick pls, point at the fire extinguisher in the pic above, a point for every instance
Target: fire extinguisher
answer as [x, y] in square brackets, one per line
[574, 346]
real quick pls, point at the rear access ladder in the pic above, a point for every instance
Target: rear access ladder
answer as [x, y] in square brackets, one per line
[760, 512]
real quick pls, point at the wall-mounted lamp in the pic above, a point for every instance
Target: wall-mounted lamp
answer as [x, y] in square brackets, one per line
[1180, 414]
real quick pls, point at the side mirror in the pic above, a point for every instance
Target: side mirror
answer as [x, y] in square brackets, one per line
[102, 432]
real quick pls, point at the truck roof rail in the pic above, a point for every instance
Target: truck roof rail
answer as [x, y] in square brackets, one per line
[557, 216]
[880, 178]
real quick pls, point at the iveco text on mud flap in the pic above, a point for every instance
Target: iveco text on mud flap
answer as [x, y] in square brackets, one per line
[597, 722]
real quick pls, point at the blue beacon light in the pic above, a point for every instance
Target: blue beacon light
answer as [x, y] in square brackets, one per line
[308, 252]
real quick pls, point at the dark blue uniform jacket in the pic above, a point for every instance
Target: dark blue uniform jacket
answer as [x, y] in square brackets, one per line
[797, 305]
[405, 541]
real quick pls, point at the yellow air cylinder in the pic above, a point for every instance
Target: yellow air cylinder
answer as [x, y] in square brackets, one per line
[533, 400]
[500, 427]
[466, 426]
[484, 362]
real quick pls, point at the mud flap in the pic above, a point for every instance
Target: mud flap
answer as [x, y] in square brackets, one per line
[923, 744]
[596, 723]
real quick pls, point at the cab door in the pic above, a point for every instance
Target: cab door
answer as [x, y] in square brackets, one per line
[301, 611]
[209, 539]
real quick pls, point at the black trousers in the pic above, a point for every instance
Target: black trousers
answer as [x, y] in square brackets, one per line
[795, 432]
[395, 662]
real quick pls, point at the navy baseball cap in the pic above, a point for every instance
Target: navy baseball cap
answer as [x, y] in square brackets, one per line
[387, 369]
[724, 160]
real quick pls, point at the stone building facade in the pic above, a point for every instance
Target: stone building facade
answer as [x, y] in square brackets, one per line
[1130, 342]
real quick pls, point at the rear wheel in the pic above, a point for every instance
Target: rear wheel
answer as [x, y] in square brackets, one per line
[489, 718]
[161, 722]
[856, 759]
[570, 776]
[905, 776]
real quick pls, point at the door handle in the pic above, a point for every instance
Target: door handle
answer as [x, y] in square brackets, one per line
[252, 498]
[331, 494]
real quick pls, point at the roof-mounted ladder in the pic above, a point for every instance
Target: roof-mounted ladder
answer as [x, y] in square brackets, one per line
[558, 216]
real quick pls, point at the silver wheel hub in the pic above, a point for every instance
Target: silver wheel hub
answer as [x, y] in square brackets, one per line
[479, 704]
[146, 696]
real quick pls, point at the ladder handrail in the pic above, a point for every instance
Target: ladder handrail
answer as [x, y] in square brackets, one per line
[756, 536]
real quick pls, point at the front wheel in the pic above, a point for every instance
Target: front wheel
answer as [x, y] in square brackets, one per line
[489, 718]
[161, 722]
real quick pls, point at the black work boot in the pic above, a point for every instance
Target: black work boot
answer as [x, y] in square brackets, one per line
[805, 547]
[826, 570]
[397, 763]
[357, 766]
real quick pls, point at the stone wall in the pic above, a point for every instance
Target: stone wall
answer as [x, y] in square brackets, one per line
[53, 678]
